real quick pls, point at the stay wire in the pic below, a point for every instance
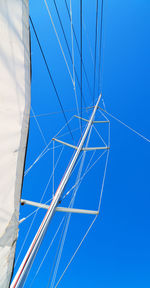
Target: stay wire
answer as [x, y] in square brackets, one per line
[39, 127]
[44, 151]
[86, 77]
[69, 215]
[65, 37]
[47, 251]
[58, 39]
[81, 56]
[27, 234]
[49, 73]
[89, 228]
[95, 50]
[76, 251]
[73, 64]
[100, 48]
[87, 170]
[127, 126]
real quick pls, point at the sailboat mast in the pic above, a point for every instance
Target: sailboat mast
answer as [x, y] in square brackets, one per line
[24, 268]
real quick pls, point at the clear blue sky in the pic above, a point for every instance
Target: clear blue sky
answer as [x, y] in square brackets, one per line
[116, 253]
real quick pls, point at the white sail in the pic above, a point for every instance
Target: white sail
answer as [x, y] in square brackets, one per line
[14, 123]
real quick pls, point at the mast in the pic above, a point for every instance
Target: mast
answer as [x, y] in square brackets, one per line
[24, 268]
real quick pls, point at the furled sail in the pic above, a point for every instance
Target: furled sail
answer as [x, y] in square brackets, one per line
[14, 123]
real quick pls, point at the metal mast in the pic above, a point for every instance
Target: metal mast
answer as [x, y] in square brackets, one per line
[24, 268]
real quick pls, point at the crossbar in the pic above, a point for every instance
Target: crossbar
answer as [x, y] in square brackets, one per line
[93, 121]
[83, 149]
[60, 209]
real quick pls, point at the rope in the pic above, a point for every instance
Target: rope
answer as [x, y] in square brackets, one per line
[49, 73]
[133, 130]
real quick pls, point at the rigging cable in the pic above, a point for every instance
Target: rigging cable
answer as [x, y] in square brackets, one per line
[49, 114]
[127, 126]
[73, 61]
[95, 50]
[88, 40]
[62, 51]
[66, 225]
[81, 56]
[88, 230]
[47, 251]
[100, 49]
[80, 180]
[27, 233]
[41, 132]
[44, 150]
[40, 157]
[86, 77]
[99, 205]
[49, 73]
[71, 58]
[99, 135]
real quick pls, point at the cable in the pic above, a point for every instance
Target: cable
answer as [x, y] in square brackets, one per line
[95, 50]
[73, 61]
[100, 49]
[47, 251]
[76, 251]
[71, 58]
[64, 232]
[39, 202]
[88, 230]
[134, 131]
[49, 114]
[78, 49]
[49, 73]
[81, 56]
[58, 39]
[41, 132]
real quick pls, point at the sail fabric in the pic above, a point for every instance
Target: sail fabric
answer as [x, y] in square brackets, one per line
[14, 123]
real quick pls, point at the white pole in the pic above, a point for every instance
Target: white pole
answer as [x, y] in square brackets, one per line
[26, 264]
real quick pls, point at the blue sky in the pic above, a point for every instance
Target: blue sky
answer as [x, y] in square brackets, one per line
[116, 252]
